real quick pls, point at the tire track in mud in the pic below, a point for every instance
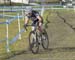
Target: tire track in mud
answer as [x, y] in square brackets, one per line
[58, 14]
[60, 41]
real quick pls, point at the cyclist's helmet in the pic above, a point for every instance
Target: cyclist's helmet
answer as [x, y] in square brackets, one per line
[28, 10]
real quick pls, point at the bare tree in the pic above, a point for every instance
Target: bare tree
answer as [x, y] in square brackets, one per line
[10, 3]
[4, 2]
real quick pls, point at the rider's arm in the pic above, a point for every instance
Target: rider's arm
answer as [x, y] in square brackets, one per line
[40, 19]
[26, 20]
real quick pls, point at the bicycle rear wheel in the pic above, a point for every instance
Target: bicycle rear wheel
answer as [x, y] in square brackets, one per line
[33, 42]
[45, 40]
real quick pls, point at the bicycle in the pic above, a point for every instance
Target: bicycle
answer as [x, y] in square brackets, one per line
[36, 38]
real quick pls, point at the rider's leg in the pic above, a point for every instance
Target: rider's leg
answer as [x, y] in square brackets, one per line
[40, 27]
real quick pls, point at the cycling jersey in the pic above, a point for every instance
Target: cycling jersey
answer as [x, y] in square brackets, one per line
[33, 16]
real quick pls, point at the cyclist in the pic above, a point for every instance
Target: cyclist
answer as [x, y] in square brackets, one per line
[36, 18]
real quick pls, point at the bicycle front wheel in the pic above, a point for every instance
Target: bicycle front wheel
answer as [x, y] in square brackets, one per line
[33, 42]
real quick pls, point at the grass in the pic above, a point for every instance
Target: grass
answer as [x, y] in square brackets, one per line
[13, 31]
[61, 35]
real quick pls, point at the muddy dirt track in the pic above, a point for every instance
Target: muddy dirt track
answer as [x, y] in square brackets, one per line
[61, 32]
